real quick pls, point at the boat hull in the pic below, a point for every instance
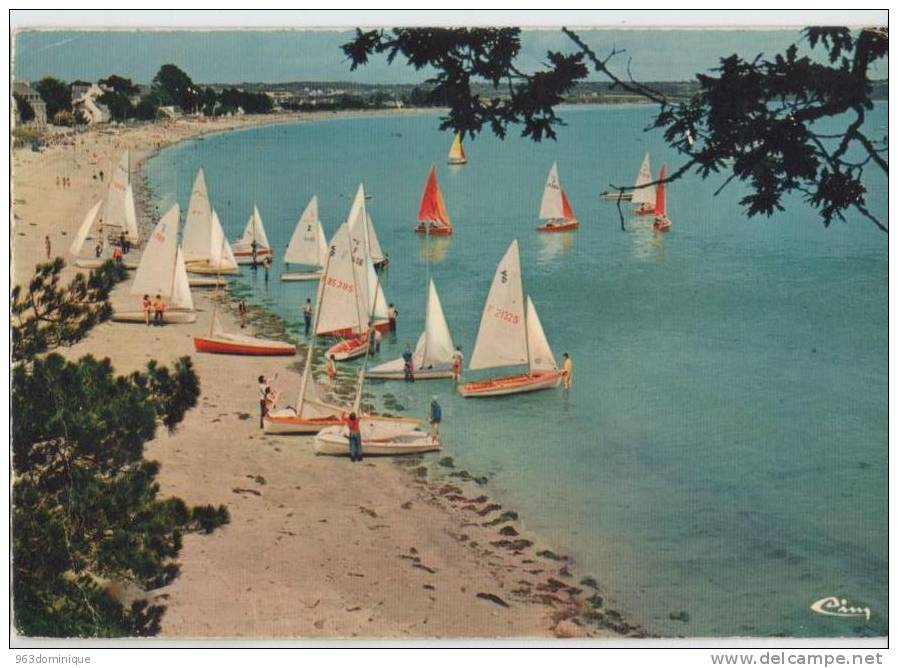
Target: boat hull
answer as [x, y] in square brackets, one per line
[567, 226]
[286, 421]
[219, 346]
[246, 256]
[203, 267]
[95, 263]
[645, 210]
[434, 231]
[349, 348]
[661, 224]
[497, 387]
[172, 317]
[335, 442]
[617, 197]
[204, 282]
[382, 326]
[457, 161]
[301, 275]
[420, 374]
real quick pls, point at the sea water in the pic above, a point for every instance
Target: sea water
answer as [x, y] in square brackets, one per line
[723, 451]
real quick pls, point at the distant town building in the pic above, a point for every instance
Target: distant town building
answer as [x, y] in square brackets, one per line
[33, 98]
[86, 102]
[171, 111]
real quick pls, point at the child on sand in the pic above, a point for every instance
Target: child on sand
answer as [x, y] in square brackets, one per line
[355, 436]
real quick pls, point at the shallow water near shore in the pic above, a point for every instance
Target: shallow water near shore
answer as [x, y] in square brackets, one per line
[724, 449]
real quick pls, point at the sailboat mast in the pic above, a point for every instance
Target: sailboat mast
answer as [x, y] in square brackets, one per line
[217, 287]
[307, 372]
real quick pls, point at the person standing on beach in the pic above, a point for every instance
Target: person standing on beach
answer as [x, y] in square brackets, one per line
[159, 311]
[98, 251]
[408, 366]
[372, 339]
[47, 245]
[57, 181]
[458, 360]
[331, 368]
[307, 315]
[377, 338]
[266, 398]
[436, 417]
[241, 312]
[117, 254]
[355, 436]
[147, 305]
[101, 176]
[567, 371]
[392, 314]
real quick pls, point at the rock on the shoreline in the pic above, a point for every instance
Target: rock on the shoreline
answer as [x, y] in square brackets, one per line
[568, 629]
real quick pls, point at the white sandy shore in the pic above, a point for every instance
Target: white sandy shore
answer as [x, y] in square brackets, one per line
[317, 546]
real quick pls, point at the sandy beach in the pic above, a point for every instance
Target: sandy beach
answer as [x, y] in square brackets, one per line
[316, 547]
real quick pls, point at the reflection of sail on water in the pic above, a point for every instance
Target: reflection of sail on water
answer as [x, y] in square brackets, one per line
[434, 250]
[552, 246]
[647, 246]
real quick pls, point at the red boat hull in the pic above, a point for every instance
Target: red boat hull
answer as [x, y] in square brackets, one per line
[204, 345]
[644, 210]
[494, 387]
[559, 227]
[434, 231]
[382, 326]
[348, 348]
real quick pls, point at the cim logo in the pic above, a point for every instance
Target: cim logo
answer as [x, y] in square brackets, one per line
[838, 607]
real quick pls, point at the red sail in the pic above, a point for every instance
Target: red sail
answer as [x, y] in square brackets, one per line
[566, 206]
[660, 202]
[433, 209]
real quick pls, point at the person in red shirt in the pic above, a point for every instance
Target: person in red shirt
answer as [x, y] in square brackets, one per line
[355, 436]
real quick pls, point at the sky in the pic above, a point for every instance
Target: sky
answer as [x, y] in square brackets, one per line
[311, 55]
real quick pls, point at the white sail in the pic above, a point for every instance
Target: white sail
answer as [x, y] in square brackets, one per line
[116, 210]
[338, 299]
[438, 347]
[219, 251]
[501, 339]
[254, 231]
[130, 219]
[198, 227]
[419, 354]
[181, 295]
[374, 249]
[306, 245]
[156, 272]
[644, 195]
[84, 230]
[551, 207]
[365, 278]
[377, 301]
[538, 350]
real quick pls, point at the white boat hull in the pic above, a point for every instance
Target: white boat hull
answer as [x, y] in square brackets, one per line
[335, 441]
[498, 387]
[301, 275]
[203, 267]
[204, 282]
[377, 373]
[172, 317]
[285, 421]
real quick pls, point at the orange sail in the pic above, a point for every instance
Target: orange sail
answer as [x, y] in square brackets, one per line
[566, 206]
[432, 212]
[660, 201]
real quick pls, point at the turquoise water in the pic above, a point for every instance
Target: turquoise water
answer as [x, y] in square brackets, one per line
[724, 449]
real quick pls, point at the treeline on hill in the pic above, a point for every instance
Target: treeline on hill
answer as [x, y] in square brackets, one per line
[171, 87]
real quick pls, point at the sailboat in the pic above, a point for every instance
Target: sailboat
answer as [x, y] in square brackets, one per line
[232, 343]
[511, 335]
[253, 246]
[307, 245]
[555, 207]
[112, 216]
[334, 307]
[432, 216]
[367, 304]
[644, 195]
[161, 272]
[457, 152]
[204, 251]
[433, 353]
[662, 222]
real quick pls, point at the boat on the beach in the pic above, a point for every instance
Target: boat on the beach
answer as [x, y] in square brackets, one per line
[555, 208]
[511, 335]
[335, 305]
[433, 219]
[307, 246]
[253, 246]
[662, 222]
[457, 152]
[108, 220]
[232, 343]
[432, 358]
[206, 281]
[335, 441]
[161, 272]
[204, 252]
[644, 195]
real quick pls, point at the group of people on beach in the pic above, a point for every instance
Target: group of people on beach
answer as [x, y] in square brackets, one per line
[63, 182]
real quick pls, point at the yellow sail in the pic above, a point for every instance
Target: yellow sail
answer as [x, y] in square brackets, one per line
[457, 152]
